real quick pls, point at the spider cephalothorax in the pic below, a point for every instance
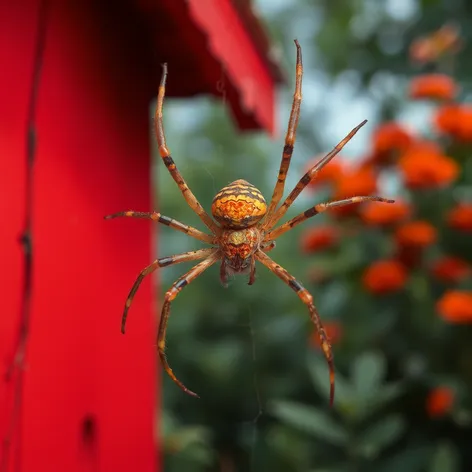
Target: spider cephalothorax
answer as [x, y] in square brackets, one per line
[245, 233]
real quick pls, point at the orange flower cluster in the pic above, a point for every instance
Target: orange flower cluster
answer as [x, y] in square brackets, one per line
[386, 276]
[359, 181]
[460, 217]
[446, 40]
[416, 234]
[352, 182]
[455, 306]
[439, 402]
[455, 120]
[379, 214]
[423, 167]
[433, 86]
[389, 140]
[450, 269]
[319, 238]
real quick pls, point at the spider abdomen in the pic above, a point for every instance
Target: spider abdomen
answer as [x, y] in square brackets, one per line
[238, 205]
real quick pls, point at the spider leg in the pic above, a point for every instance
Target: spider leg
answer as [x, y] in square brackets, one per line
[307, 299]
[165, 220]
[267, 245]
[162, 262]
[307, 178]
[290, 137]
[190, 198]
[170, 295]
[223, 274]
[320, 208]
[252, 271]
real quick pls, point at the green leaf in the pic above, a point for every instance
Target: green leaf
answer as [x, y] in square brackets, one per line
[445, 459]
[381, 435]
[388, 392]
[285, 444]
[411, 460]
[168, 423]
[309, 420]
[193, 434]
[368, 373]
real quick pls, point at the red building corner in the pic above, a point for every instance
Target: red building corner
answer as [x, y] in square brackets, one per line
[82, 399]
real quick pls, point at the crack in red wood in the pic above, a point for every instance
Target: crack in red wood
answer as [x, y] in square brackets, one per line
[15, 370]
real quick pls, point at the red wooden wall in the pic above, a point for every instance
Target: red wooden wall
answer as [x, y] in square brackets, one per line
[84, 399]
[89, 393]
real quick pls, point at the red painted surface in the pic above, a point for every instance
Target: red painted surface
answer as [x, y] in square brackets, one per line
[92, 159]
[245, 69]
[89, 396]
[214, 54]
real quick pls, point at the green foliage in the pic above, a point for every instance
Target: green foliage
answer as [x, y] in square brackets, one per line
[250, 352]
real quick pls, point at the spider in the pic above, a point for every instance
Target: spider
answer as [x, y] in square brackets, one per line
[243, 232]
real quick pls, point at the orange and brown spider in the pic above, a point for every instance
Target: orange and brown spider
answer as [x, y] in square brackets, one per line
[244, 229]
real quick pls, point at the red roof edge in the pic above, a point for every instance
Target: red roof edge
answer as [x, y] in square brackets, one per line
[269, 52]
[229, 41]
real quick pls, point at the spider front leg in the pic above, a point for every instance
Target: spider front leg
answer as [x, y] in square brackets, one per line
[320, 208]
[308, 177]
[190, 198]
[165, 220]
[170, 295]
[307, 299]
[162, 262]
[290, 137]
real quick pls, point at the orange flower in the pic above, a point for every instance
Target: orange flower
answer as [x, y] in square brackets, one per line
[416, 234]
[424, 146]
[434, 86]
[447, 118]
[431, 48]
[354, 182]
[439, 401]
[328, 174]
[455, 120]
[319, 238]
[460, 217]
[359, 181]
[450, 269]
[385, 276]
[422, 169]
[455, 306]
[334, 331]
[379, 214]
[388, 140]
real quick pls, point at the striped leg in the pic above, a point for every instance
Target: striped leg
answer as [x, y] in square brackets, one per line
[165, 220]
[169, 162]
[290, 136]
[307, 299]
[267, 246]
[170, 295]
[162, 262]
[320, 208]
[308, 177]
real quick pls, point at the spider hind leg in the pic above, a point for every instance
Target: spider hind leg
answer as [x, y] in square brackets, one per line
[307, 299]
[170, 295]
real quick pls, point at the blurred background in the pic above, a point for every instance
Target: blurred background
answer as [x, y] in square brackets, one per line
[391, 282]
